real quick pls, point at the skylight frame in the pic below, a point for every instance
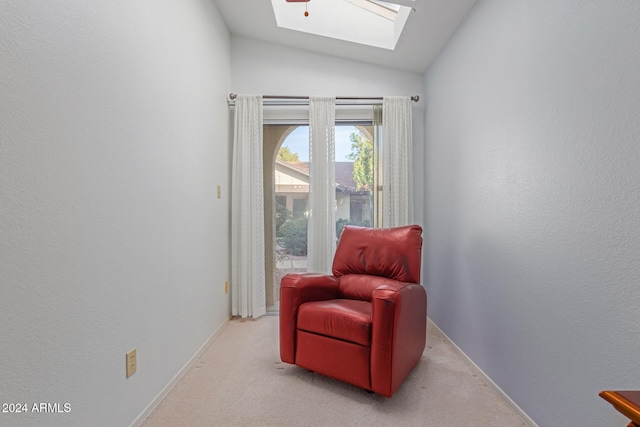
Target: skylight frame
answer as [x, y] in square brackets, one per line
[343, 20]
[380, 8]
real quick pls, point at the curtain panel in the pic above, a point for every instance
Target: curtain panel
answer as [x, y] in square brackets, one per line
[321, 242]
[377, 167]
[397, 162]
[248, 297]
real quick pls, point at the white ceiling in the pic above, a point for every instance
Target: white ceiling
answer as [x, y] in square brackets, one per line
[427, 30]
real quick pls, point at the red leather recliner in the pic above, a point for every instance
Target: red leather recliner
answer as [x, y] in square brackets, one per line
[366, 324]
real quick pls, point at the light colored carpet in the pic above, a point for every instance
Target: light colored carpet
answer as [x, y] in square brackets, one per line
[240, 381]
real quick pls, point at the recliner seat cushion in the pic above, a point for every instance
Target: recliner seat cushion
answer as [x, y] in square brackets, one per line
[348, 320]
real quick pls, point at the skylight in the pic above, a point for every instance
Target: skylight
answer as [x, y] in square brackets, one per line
[370, 22]
[380, 8]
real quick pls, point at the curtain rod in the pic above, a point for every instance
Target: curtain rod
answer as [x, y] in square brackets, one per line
[232, 96]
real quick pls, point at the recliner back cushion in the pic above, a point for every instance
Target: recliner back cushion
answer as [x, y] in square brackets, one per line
[394, 253]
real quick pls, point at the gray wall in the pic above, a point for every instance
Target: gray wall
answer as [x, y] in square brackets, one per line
[113, 136]
[533, 201]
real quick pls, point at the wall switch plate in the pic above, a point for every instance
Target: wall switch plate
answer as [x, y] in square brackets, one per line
[219, 192]
[226, 286]
[132, 362]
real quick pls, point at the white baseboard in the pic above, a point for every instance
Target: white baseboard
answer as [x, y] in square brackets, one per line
[165, 391]
[486, 378]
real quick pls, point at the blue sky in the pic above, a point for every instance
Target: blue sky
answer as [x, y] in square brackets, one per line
[298, 142]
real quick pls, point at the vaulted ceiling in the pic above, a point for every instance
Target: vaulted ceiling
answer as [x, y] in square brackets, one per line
[428, 27]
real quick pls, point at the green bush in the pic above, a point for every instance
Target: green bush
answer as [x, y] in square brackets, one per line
[292, 236]
[340, 225]
[282, 215]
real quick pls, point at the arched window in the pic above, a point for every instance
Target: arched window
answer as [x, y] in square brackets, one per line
[286, 191]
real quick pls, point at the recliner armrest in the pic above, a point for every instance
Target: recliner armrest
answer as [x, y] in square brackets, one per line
[296, 289]
[399, 316]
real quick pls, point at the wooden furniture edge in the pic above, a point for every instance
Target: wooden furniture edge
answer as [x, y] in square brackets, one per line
[622, 405]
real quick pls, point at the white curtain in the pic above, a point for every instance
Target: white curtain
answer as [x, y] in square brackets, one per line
[397, 162]
[247, 211]
[321, 241]
[377, 166]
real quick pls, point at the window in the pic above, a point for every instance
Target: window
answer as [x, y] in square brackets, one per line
[286, 175]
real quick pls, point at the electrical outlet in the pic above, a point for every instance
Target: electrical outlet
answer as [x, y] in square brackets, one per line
[132, 362]
[226, 286]
[219, 192]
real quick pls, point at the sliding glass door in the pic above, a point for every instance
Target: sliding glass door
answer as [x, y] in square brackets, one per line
[287, 192]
